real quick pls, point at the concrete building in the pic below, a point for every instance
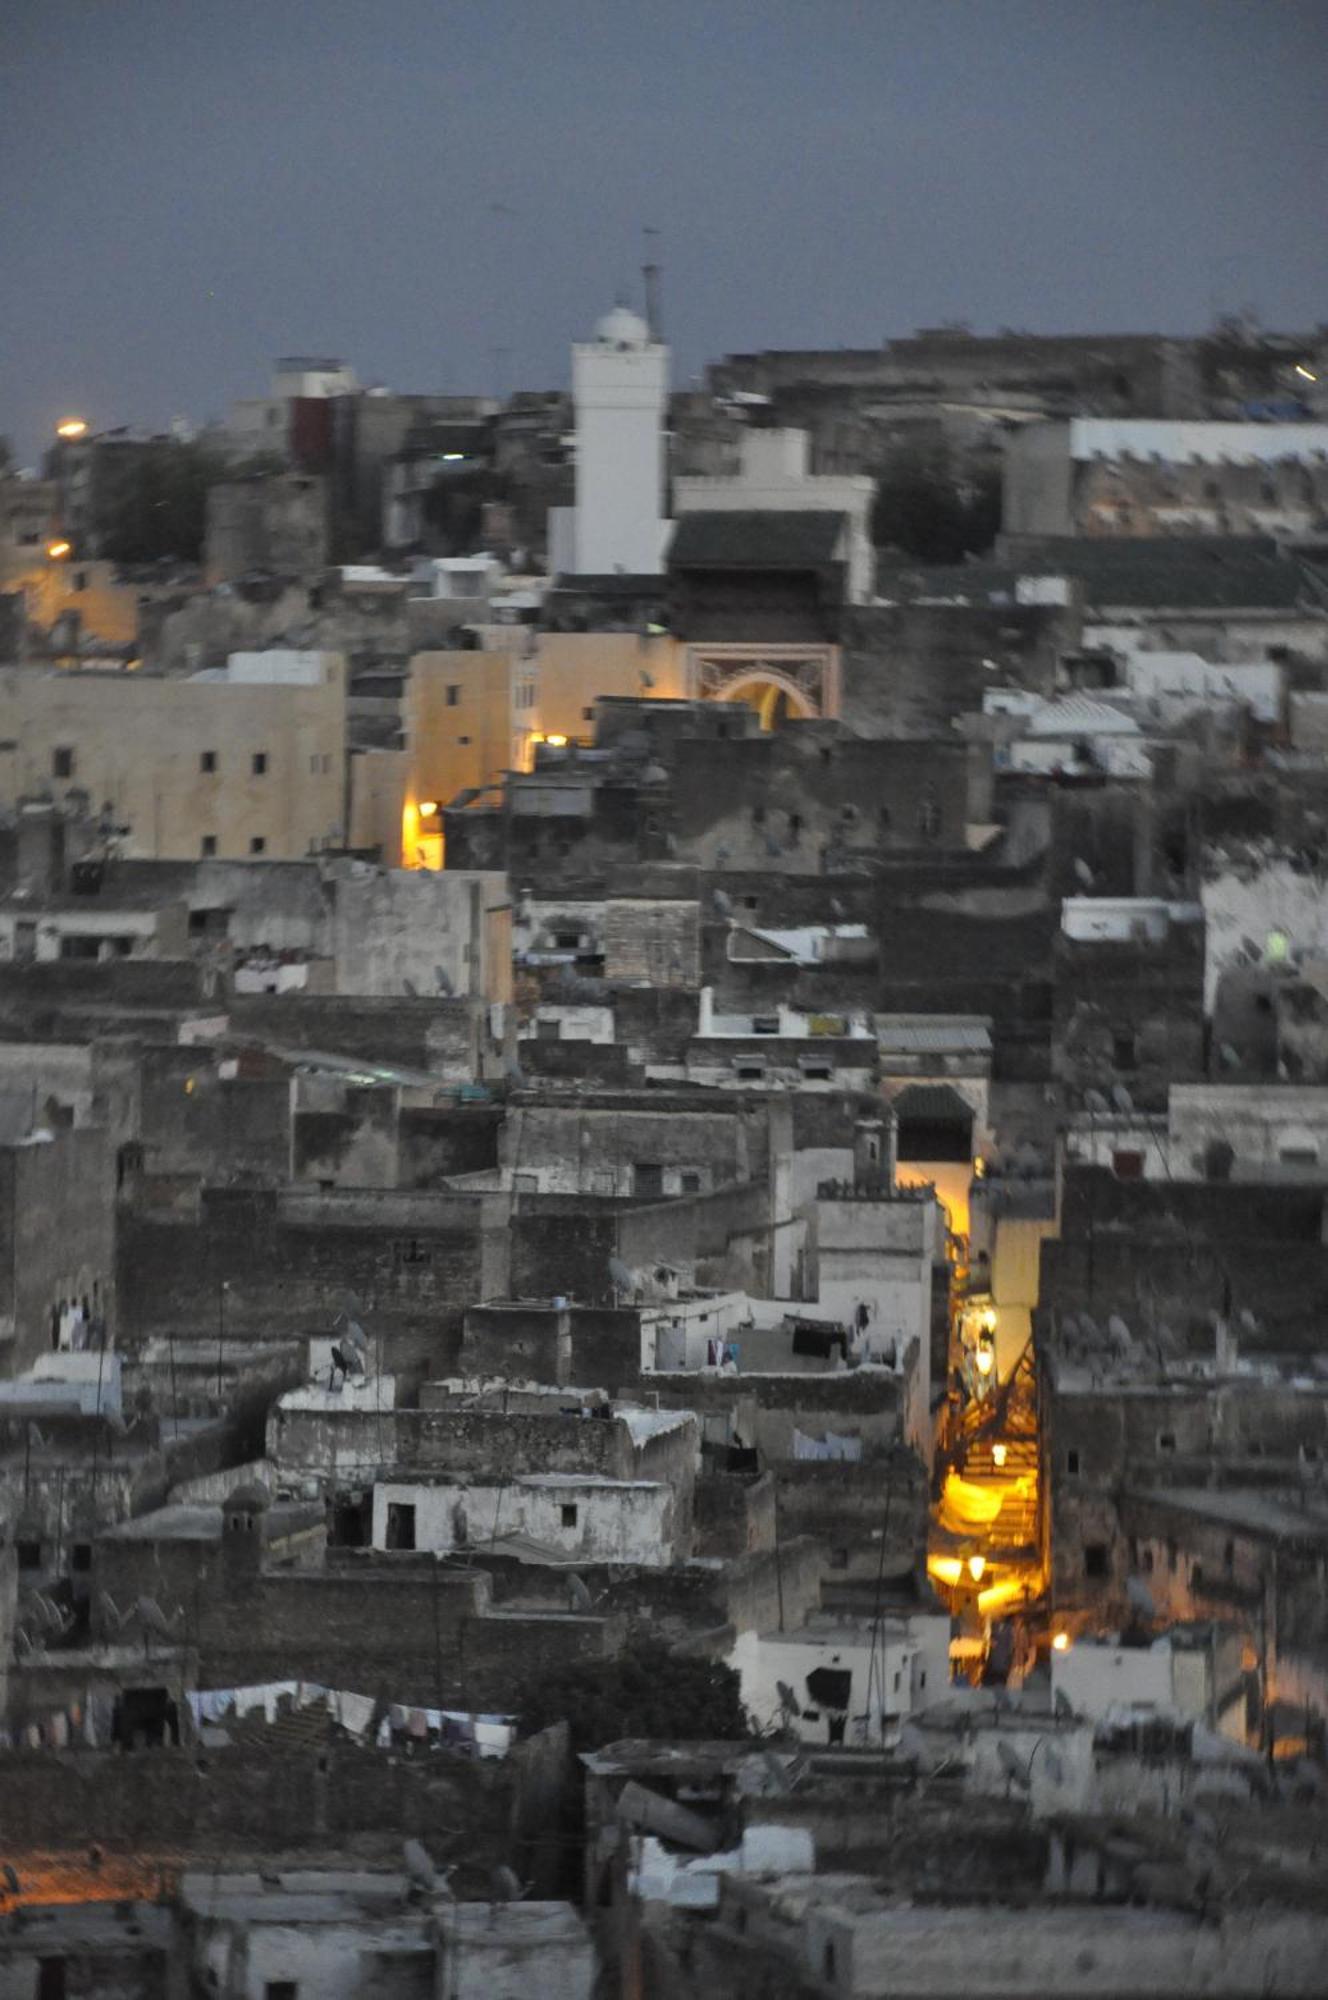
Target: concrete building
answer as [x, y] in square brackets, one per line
[1131, 477]
[775, 477]
[249, 762]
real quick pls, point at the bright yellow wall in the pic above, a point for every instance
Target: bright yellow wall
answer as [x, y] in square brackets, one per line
[571, 668]
[107, 610]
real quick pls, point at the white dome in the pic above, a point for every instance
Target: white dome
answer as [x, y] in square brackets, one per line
[622, 328]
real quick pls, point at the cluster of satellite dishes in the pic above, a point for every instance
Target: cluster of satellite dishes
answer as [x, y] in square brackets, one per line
[652, 1284]
[44, 1621]
[144, 1613]
[1102, 1106]
[1084, 1338]
[425, 1878]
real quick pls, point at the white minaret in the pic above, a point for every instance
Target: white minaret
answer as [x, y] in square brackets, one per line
[620, 382]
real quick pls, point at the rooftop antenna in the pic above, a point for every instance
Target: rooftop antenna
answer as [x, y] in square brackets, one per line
[650, 275]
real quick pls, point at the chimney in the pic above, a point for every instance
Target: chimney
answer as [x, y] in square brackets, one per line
[650, 273]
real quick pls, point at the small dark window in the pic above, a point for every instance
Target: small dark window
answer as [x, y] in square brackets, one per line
[758, 815]
[1072, 1464]
[689, 1183]
[795, 828]
[828, 1965]
[1229, 1558]
[568, 1511]
[258, 845]
[1122, 1049]
[207, 845]
[1148, 1562]
[647, 1178]
[260, 763]
[1096, 1559]
[839, 1558]
[751, 902]
[463, 739]
[281, 1989]
[29, 1554]
[207, 760]
[765, 1024]
[62, 766]
[883, 818]
[453, 694]
[400, 1524]
[81, 1556]
[1166, 1440]
[80, 579]
[1173, 1555]
[1127, 1165]
[587, 715]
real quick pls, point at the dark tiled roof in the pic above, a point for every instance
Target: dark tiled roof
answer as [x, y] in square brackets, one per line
[932, 1101]
[752, 538]
[1199, 572]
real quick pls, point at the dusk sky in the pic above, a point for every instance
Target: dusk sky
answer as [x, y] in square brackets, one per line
[447, 195]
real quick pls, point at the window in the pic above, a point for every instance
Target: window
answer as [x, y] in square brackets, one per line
[81, 1556]
[883, 818]
[795, 828]
[568, 1513]
[463, 740]
[80, 579]
[29, 1554]
[849, 815]
[839, 1560]
[1166, 1440]
[765, 1024]
[259, 763]
[587, 715]
[258, 845]
[689, 1183]
[51, 1982]
[281, 1989]
[412, 1251]
[62, 762]
[1122, 1048]
[207, 845]
[453, 694]
[1096, 1559]
[758, 815]
[1148, 1562]
[1173, 1554]
[207, 760]
[1229, 1558]
[1072, 1464]
[828, 1966]
[647, 1178]
[400, 1524]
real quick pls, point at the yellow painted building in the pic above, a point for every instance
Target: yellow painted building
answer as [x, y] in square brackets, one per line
[208, 766]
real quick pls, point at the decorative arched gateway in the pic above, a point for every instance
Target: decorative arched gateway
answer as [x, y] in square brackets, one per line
[779, 682]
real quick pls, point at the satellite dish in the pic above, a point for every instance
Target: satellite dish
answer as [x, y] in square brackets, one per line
[505, 1885]
[442, 982]
[1119, 1334]
[1088, 1327]
[620, 1276]
[1095, 1101]
[1054, 1766]
[355, 1334]
[1083, 873]
[1140, 1597]
[788, 1701]
[419, 1868]
[1121, 1098]
[410, 989]
[1011, 1764]
[152, 1618]
[578, 1596]
[721, 904]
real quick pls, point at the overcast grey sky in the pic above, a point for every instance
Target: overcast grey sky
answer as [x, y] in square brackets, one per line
[190, 187]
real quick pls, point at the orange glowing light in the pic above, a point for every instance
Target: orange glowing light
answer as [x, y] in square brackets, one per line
[998, 1454]
[556, 742]
[428, 807]
[1061, 1642]
[71, 427]
[977, 1566]
[58, 550]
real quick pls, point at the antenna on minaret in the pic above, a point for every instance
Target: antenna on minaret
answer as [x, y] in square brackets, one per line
[650, 273]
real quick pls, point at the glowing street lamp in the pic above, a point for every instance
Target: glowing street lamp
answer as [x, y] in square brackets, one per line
[984, 1357]
[71, 427]
[428, 808]
[977, 1567]
[58, 550]
[1061, 1642]
[998, 1455]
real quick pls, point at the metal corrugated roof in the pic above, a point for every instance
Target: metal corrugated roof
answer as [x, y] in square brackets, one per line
[934, 1038]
